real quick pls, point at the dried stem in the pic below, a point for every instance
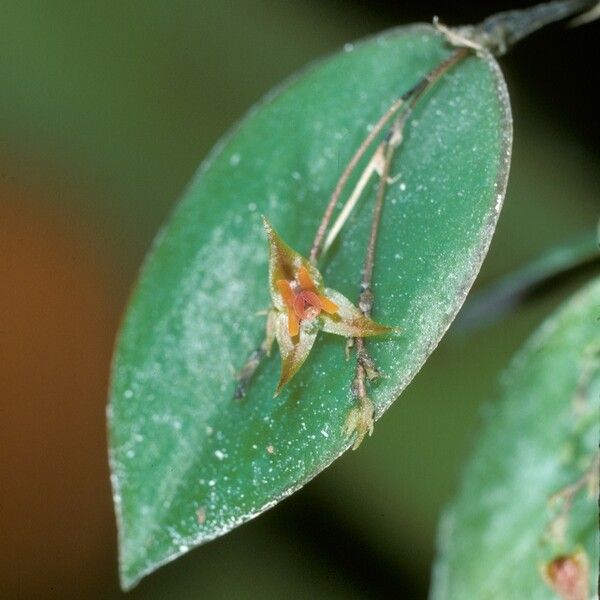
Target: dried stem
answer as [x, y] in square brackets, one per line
[256, 357]
[500, 32]
[408, 101]
[367, 271]
[496, 35]
[374, 166]
[392, 110]
[589, 479]
[361, 418]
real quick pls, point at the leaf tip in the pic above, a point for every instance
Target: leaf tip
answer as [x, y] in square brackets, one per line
[128, 579]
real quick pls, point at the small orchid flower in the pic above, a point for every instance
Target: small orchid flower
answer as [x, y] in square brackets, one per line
[303, 306]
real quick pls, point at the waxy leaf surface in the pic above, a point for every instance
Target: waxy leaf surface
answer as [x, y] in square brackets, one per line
[509, 521]
[188, 462]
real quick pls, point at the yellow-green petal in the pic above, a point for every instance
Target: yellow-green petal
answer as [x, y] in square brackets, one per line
[349, 321]
[284, 263]
[294, 351]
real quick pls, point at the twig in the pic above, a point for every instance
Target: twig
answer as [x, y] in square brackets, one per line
[360, 419]
[316, 246]
[500, 32]
[256, 357]
[374, 166]
[410, 98]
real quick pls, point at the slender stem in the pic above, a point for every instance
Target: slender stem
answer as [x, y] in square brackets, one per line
[392, 110]
[256, 357]
[500, 32]
[497, 34]
[367, 271]
[362, 417]
[410, 98]
[365, 302]
[374, 166]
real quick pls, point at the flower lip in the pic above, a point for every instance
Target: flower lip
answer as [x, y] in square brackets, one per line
[302, 299]
[307, 305]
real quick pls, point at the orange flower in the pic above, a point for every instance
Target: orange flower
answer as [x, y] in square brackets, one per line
[303, 300]
[303, 306]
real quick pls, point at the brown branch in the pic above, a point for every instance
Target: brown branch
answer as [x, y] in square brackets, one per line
[409, 99]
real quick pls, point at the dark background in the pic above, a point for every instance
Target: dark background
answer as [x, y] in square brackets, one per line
[106, 109]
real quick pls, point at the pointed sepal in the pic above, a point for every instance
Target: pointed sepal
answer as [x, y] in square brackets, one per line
[294, 350]
[349, 321]
[284, 264]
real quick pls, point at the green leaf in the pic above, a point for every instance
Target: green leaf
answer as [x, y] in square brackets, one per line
[539, 438]
[188, 462]
[291, 276]
[543, 273]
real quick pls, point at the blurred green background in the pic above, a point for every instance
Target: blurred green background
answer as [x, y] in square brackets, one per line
[106, 110]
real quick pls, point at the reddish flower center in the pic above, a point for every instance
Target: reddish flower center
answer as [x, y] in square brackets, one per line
[307, 305]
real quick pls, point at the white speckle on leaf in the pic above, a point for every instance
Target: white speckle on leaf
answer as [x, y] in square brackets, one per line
[499, 200]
